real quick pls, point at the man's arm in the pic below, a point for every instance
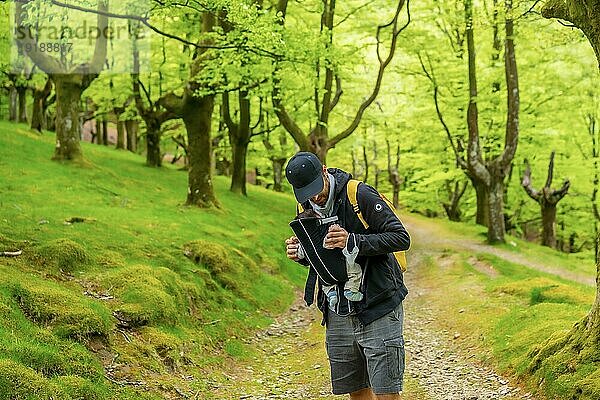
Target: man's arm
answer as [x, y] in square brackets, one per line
[389, 234]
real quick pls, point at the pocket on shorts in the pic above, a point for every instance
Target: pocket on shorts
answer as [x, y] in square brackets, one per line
[394, 352]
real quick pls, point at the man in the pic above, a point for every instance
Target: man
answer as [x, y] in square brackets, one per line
[365, 346]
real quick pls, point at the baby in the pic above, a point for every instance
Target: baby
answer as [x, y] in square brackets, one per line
[353, 269]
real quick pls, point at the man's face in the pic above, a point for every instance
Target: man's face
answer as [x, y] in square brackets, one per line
[321, 198]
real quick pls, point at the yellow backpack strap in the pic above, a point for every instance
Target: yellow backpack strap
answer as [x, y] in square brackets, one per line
[400, 255]
[352, 190]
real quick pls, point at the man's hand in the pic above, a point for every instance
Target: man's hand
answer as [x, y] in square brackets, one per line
[292, 245]
[337, 237]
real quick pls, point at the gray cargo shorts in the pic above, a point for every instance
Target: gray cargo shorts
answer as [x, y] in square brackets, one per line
[363, 356]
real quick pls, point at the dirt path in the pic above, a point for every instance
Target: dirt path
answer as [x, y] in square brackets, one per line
[428, 237]
[289, 360]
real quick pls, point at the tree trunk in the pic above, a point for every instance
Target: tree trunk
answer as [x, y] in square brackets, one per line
[396, 198]
[319, 144]
[238, 178]
[105, 131]
[22, 92]
[197, 117]
[38, 114]
[547, 198]
[548, 225]
[132, 127]
[496, 214]
[98, 135]
[452, 207]
[68, 95]
[120, 134]
[40, 106]
[239, 137]
[278, 164]
[482, 194]
[13, 104]
[153, 157]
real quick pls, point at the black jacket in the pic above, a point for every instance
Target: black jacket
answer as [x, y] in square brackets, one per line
[382, 285]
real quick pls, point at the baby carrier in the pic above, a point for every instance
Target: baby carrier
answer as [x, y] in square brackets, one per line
[329, 264]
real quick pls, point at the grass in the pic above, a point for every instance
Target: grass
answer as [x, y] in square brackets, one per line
[502, 317]
[146, 292]
[145, 286]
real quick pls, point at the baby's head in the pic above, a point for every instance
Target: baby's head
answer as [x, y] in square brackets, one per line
[308, 214]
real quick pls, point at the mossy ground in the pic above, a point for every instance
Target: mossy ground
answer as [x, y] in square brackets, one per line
[110, 304]
[502, 317]
[146, 297]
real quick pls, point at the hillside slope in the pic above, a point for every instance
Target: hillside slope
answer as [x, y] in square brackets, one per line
[122, 291]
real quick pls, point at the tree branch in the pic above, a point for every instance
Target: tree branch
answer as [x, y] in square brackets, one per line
[550, 171]
[527, 185]
[382, 66]
[338, 92]
[171, 102]
[144, 21]
[268, 130]
[231, 126]
[512, 88]
[368, 3]
[460, 161]
[557, 9]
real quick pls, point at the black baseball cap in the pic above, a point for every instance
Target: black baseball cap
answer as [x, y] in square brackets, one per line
[304, 172]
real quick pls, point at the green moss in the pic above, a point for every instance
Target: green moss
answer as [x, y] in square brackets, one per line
[150, 295]
[216, 259]
[545, 290]
[69, 315]
[111, 259]
[20, 382]
[183, 312]
[167, 346]
[62, 254]
[7, 244]
[75, 387]
[236, 348]
[589, 387]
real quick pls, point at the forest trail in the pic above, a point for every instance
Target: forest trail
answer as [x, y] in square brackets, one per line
[289, 359]
[430, 240]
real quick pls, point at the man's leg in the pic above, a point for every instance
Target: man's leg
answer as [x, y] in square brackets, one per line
[347, 362]
[383, 346]
[388, 397]
[364, 394]
[367, 394]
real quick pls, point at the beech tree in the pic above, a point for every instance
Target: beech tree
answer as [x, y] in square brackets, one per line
[547, 198]
[489, 175]
[70, 80]
[196, 107]
[317, 139]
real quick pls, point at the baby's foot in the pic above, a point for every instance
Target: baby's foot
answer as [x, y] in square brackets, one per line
[332, 298]
[353, 296]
